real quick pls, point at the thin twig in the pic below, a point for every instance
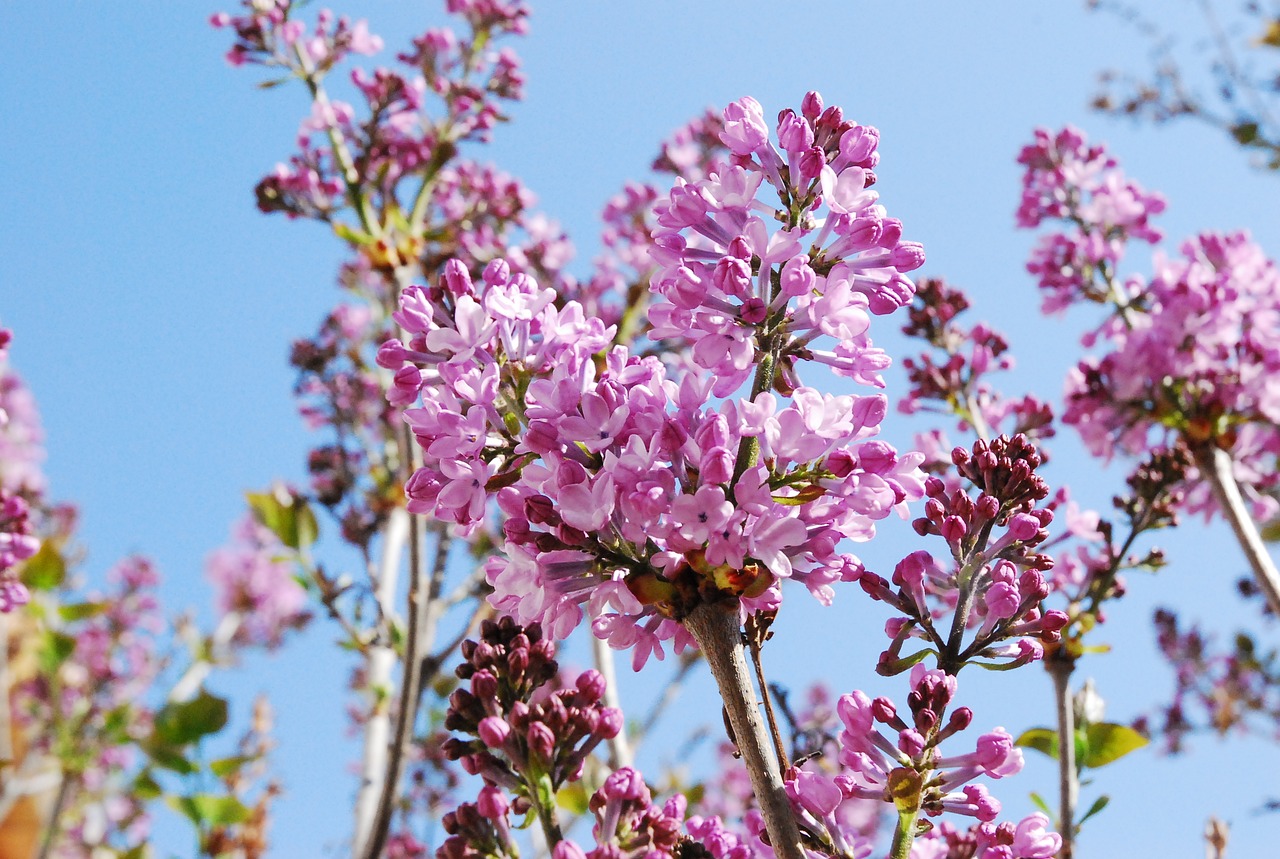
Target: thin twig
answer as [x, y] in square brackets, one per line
[59, 805]
[717, 629]
[1216, 466]
[757, 629]
[1060, 667]
[1216, 834]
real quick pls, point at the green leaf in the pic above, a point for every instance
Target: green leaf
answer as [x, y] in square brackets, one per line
[54, 650]
[1098, 804]
[1109, 742]
[573, 798]
[178, 724]
[223, 767]
[1038, 801]
[286, 515]
[145, 787]
[206, 809]
[222, 810]
[889, 669]
[170, 758]
[46, 569]
[1245, 133]
[81, 610]
[1043, 740]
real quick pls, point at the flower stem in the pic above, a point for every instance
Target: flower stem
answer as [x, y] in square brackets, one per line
[1060, 667]
[904, 834]
[1215, 464]
[717, 629]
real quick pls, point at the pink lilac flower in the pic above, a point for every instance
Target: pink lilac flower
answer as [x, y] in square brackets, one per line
[253, 580]
[875, 759]
[1029, 838]
[21, 436]
[1067, 179]
[625, 489]
[994, 578]
[1197, 359]
[1189, 354]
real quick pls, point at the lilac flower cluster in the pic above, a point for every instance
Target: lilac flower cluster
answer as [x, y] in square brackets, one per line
[1193, 350]
[343, 160]
[521, 730]
[1067, 179]
[253, 578]
[624, 489]
[902, 764]
[1219, 687]
[86, 708]
[20, 478]
[1029, 838]
[527, 736]
[1200, 362]
[994, 582]
[17, 543]
[733, 286]
[267, 35]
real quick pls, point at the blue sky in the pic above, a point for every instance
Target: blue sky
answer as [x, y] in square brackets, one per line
[153, 306]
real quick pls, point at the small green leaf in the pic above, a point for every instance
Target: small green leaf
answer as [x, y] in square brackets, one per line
[1098, 804]
[1109, 742]
[223, 767]
[573, 798]
[145, 787]
[170, 758]
[46, 569]
[54, 650]
[545, 794]
[205, 809]
[178, 724]
[1043, 740]
[889, 669]
[221, 810]
[286, 515]
[1038, 801]
[1245, 133]
[81, 610]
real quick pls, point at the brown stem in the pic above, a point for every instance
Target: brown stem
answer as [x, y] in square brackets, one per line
[55, 815]
[1216, 835]
[1215, 464]
[755, 635]
[717, 630]
[1060, 667]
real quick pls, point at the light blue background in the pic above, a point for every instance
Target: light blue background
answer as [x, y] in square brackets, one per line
[153, 306]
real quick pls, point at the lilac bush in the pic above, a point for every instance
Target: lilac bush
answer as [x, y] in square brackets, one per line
[510, 456]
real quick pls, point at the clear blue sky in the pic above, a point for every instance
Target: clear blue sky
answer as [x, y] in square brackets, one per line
[153, 306]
